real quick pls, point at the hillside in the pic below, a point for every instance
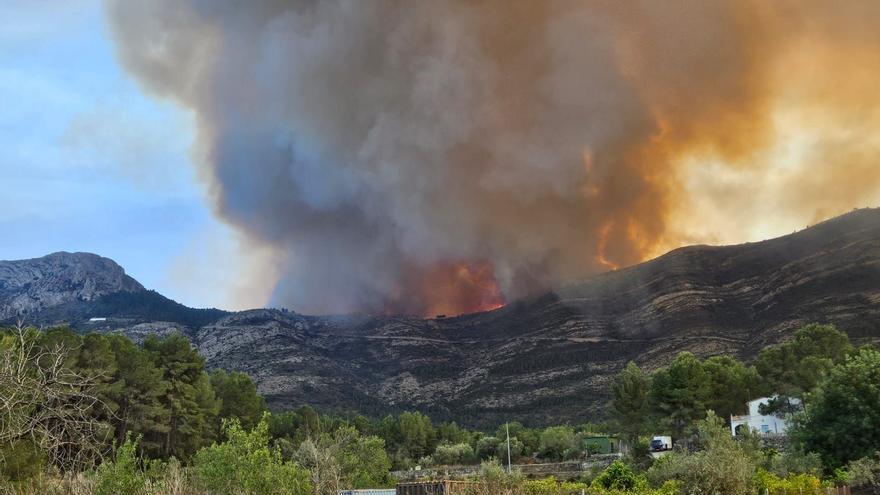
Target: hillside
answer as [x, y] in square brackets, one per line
[550, 358]
[72, 288]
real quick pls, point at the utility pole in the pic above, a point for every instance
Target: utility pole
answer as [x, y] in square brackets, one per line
[507, 427]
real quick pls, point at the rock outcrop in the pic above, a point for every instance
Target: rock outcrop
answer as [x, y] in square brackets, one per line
[551, 358]
[30, 286]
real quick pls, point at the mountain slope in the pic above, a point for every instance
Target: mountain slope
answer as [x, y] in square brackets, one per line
[542, 360]
[29, 286]
[551, 358]
[72, 288]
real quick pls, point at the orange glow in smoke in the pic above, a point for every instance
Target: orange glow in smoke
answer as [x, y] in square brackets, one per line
[451, 288]
[602, 246]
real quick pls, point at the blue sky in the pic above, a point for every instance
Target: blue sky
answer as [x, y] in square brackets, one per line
[88, 162]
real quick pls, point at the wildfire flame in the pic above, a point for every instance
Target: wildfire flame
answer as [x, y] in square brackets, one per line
[451, 289]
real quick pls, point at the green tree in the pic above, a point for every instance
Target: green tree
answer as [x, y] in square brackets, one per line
[731, 385]
[448, 454]
[793, 369]
[452, 433]
[486, 447]
[238, 397]
[680, 392]
[189, 398]
[138, 398]
[245, 464]
[344, 459]
[555, 441]
[364, 461]
[529, 437]
[842, 422]
[630, 404]
[416, 434]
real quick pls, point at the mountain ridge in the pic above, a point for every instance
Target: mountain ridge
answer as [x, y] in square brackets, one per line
[548, 358]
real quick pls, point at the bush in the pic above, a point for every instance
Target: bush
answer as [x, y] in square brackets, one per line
[769, 483]
[124, 475]
[549, 486]
[245, 464]
[865, 473]
[555, 441]
[794, 462]
[495, 479]
[723, 467]
[447, 454]
[20, 461]
[486, 448]
[619, 476]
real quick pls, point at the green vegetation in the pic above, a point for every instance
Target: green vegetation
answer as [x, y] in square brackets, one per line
[99, 414]
[843, 420]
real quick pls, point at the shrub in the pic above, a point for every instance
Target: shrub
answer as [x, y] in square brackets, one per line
[769, 483]
[460, 453]
[124, 474]
[486, 447]
[495, 479]
[21, 460]
[555, 441]
[793, 462]
[245, 464]
[723, 467]
[549, 486]
[619, 476]
[865, 473]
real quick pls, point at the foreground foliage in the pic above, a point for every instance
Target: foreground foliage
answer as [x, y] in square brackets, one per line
[151, 420]
[245, 464]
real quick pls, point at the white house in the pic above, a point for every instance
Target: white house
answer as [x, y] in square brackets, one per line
[760, 423]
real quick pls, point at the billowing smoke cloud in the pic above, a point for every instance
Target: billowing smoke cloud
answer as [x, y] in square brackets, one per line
[442, 156]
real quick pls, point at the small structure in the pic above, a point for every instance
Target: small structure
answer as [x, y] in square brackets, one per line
[97, 320]
[445, 487]
[601, 445]
[754, 421]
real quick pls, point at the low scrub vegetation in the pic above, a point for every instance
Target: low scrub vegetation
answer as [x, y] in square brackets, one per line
[98, 414]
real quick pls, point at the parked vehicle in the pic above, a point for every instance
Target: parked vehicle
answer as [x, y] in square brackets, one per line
[661, 443]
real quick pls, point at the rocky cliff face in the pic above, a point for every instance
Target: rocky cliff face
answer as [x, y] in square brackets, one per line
[30, 286]
[551, 358]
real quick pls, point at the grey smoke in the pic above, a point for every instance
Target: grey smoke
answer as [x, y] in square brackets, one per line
[375, 143]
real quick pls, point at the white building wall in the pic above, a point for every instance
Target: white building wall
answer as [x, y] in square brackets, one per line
[759, 423]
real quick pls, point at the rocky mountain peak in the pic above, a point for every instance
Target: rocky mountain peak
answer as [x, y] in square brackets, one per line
[29, 286]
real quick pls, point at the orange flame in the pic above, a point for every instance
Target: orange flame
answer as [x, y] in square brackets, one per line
[450, 289]
[602, 246]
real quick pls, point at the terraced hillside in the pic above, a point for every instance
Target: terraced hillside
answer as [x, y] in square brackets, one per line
[550, 359]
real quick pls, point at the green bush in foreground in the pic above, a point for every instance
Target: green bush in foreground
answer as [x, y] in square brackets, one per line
[770, 484]
[619, 476]
[245, 464]
[723, 467]
[865, 473]
[123, 475]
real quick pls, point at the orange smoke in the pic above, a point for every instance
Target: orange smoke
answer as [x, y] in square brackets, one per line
[450, 289]
[526, 144]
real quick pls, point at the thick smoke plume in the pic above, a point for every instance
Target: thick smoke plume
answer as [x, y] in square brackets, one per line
[444, 156]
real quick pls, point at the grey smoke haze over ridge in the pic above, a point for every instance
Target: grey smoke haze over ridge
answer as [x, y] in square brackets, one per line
[440, 157]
